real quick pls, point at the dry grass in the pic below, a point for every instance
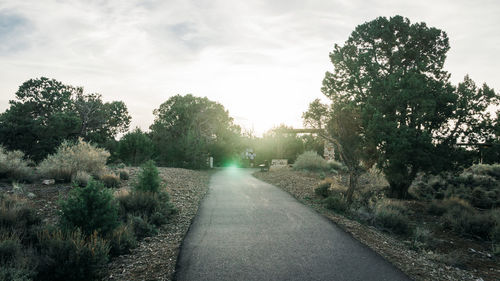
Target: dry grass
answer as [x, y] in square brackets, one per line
[71, 158]
[14, 166]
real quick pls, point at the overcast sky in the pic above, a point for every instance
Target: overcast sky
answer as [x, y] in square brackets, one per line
[263, 60]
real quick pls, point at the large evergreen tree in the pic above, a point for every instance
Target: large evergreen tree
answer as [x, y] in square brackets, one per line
[392, 71]
[46, 112]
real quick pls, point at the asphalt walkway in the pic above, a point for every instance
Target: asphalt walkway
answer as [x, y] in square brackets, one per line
[246, 229]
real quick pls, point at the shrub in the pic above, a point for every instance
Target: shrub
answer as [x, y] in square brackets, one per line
[13, 166]
[146, 204]
[71, 256]
[437, 208]
[322, 189]
[110, 180]
[90, 208]
[483, 199]
[123, 174]
[454, 258]
[15, 264]
[122, 240]
[15, 273]
[495, 238]
[81, 178]
[469, 223]
[10, 248]
[336, 203]
[149, 179]
[16, 217]
[484, 169]
[335, 165]
[390, 217]
[71, 158]
[141, 227]
[422, 237]
[310, 161]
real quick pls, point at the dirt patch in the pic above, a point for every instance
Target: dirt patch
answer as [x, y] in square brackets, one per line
[417, 264]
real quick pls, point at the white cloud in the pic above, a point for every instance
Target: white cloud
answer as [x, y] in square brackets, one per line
[263, 60]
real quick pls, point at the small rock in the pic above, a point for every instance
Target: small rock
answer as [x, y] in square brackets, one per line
[49, 182]
[31, 195]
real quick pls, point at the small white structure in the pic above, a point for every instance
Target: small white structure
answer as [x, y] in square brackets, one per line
[279, 164]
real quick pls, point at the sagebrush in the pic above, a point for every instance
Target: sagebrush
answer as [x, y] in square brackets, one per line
[14, 166]
[310, 161]
[71, 158]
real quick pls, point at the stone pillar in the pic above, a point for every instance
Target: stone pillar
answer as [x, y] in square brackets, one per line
[329, 151]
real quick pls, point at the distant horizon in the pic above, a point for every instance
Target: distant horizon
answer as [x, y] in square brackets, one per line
[264, 62]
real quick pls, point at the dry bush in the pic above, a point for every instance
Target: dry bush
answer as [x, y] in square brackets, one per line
[310, 161]
[16, 216]
[13, 166]
[110, 180]
[478, 184]
[72, 256]
[81, 178]
[71, 158]
[391, 215]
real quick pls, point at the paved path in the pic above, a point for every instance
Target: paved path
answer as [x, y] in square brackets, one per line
[246, 229]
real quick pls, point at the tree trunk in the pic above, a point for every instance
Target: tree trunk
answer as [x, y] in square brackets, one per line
[353, 182]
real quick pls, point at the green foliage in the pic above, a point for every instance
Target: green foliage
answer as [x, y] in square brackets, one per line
[278, 143]
[122, 240]
[322, 188]
[391, 216]
[123, 174]
[81, 178]
[100, 121]
[13, 166]
[14, 273]
[17, 218]
[149, 178]
[71, 256]
[391, 72]
[72, 158]
[335, 165]
[479, 185]
[40, 118]
[495, 237]
[47, 112]
[187, 129]
[135, 148]
[142, 228]
[466, 221]
[110, 180]
[154, 206]
[310, 161]
[336, 202]
[437, 208]
[90, 208]
[15, 263]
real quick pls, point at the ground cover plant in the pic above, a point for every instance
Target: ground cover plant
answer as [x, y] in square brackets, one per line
[93, 225]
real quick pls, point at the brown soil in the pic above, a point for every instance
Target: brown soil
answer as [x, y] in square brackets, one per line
[419, 264]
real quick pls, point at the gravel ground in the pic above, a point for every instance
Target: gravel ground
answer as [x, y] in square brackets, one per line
[419, 266]
[155, 257]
